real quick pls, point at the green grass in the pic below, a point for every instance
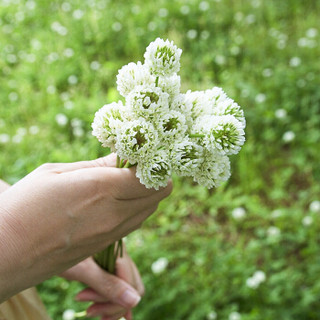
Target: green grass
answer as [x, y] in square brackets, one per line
[62, 57]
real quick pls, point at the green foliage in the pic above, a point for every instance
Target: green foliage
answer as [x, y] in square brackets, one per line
[58, 66]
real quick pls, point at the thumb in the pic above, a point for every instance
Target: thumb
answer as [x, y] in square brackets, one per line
[109, 286]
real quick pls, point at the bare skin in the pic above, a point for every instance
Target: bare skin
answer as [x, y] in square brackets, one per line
[60, 214]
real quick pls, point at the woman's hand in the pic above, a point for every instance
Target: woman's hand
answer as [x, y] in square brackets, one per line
[62, 213]
[113, 297]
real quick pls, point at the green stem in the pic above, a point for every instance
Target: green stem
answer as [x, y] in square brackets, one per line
[157, 81]
[127, 165]
[118, 162]
[81, 314]
[196, 135]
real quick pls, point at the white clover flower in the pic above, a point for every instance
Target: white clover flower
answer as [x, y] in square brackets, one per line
[159, 265]
[234, 316]
[136, 140]
[288, 136]
[238, 213]
[252, 283]
[199, 103]
[186, 157]
[226, 106]
[222, 133]
[69, 314]
[132, 75]
[212, 315]
[155, 171]
[148, 101]
[281, 113]
[314, 206]
[182, 104]
[163, 57]
[4, 138]
[172, 127]
[273, 231]
[214, 170]
[171, 85]
[307, 221]
[106, 122]
[61, 119]
[295, 62]
[260, 276]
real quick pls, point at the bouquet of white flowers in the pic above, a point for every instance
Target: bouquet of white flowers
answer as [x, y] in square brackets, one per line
[161, 130]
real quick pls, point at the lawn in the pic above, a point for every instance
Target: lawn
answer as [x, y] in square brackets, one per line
[247, 250]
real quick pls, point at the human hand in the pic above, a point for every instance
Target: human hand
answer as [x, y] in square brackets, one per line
[113, 297]
[62, 213]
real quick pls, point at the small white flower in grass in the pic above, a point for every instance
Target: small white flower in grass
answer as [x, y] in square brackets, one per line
[267, 72]
[192, 33]
[106, 122]
[307, 221]
[186, 156]
[4, 138]
[234, 316]
[95, 65]
[172, 127]
[61, 119]
[314, 206]
[34, 130]
[171, 85]
[204, 5]
[273, 231]
[163, 57]
[295, 62]
[252, 283]
[185, 10]
[155, 171]
[116, 26]
[69, 314]
[212, 315]
[136, 140]
[312, 33]
[163, 12]
[51, 89]
[281, 113]
[68, 52]
[72, 79]
[77, 14]
[220, 133]
[260, 276]
[260, 98]
[214, 169]
[238, 213]
[132, 75]
[159, 265]
[148, 101]
[288, 136]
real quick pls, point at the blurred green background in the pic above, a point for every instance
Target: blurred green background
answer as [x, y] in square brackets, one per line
[58, 66]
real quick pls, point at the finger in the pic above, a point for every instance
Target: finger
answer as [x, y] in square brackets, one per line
[128, 315]
[106, 309]
[107, 161]
[111, 287]
[89, 294]
[127, 270]
[121, 183]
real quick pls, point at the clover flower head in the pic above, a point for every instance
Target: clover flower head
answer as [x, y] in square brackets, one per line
[187, 157]
[222, 133]
[200, 104]
[136, 139]
[214, 170]
[106, 122]
[162, 57]
[182, 104]
[147, 101]
[172, 126]
[229, 107]
[171, 85]
[132, 75]
[155, 171]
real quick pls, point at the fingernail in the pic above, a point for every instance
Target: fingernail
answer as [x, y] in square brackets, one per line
[130, 298]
